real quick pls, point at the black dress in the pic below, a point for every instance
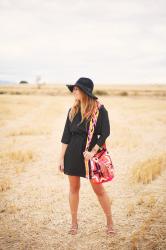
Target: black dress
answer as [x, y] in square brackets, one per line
[76, 135]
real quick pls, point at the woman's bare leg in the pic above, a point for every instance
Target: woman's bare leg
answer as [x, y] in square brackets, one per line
[104, 201]
[74, 182]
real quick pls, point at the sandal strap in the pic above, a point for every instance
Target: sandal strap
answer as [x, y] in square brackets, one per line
[74, 226]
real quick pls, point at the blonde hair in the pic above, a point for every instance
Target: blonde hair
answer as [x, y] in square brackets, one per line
[87, 107]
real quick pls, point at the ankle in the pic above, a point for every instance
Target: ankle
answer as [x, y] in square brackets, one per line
[74, 223]
[109, 219]
[74, 218]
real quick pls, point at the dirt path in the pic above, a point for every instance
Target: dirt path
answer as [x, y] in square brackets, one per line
[34, 213]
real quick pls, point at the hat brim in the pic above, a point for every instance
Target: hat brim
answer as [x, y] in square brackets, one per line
[71, 86]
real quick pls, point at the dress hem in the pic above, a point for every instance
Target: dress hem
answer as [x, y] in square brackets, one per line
[74, 175]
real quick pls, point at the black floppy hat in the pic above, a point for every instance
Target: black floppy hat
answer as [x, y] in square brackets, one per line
[85, 84]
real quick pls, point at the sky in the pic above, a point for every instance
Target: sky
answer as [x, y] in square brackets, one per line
[59, 41]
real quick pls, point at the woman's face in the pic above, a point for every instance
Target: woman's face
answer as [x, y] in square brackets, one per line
[77, 93]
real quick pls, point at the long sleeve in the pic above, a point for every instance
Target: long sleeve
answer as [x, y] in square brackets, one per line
[66, 131]
[105, 128]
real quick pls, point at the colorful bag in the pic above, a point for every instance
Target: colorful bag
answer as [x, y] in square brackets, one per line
[101, 158]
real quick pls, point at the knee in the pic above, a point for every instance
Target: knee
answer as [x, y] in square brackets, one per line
[100, 192]
[74, 189]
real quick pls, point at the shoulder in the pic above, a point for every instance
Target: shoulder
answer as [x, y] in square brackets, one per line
[68, 110]
[103, 113]
[103, 109]
[67, 113]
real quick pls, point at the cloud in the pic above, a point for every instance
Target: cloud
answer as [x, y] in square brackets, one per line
[110, 41]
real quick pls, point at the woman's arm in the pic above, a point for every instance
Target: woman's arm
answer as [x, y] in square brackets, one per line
[63, 150]
[95, 149]
[105, 128]
[61, 158]
[105, 131]
[65, 139]
[66, 132]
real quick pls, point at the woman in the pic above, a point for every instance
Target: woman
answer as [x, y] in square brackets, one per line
[73, 144]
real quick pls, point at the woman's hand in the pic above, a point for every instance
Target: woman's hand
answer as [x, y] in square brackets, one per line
[61, 165]
[88, 154]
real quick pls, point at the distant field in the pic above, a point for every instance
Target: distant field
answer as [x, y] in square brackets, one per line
[34, 209]
[101, 90]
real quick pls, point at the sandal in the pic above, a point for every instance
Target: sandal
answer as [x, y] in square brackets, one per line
[73, 229]
[110, 230]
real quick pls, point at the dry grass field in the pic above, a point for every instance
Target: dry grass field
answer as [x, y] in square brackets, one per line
[34, 208]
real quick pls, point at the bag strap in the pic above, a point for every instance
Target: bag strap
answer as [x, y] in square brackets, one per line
[92, 125]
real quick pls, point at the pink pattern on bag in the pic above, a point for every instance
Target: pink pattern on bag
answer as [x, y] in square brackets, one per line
[101, 158]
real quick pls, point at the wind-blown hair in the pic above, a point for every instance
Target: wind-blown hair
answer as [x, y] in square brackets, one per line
[86, 106]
